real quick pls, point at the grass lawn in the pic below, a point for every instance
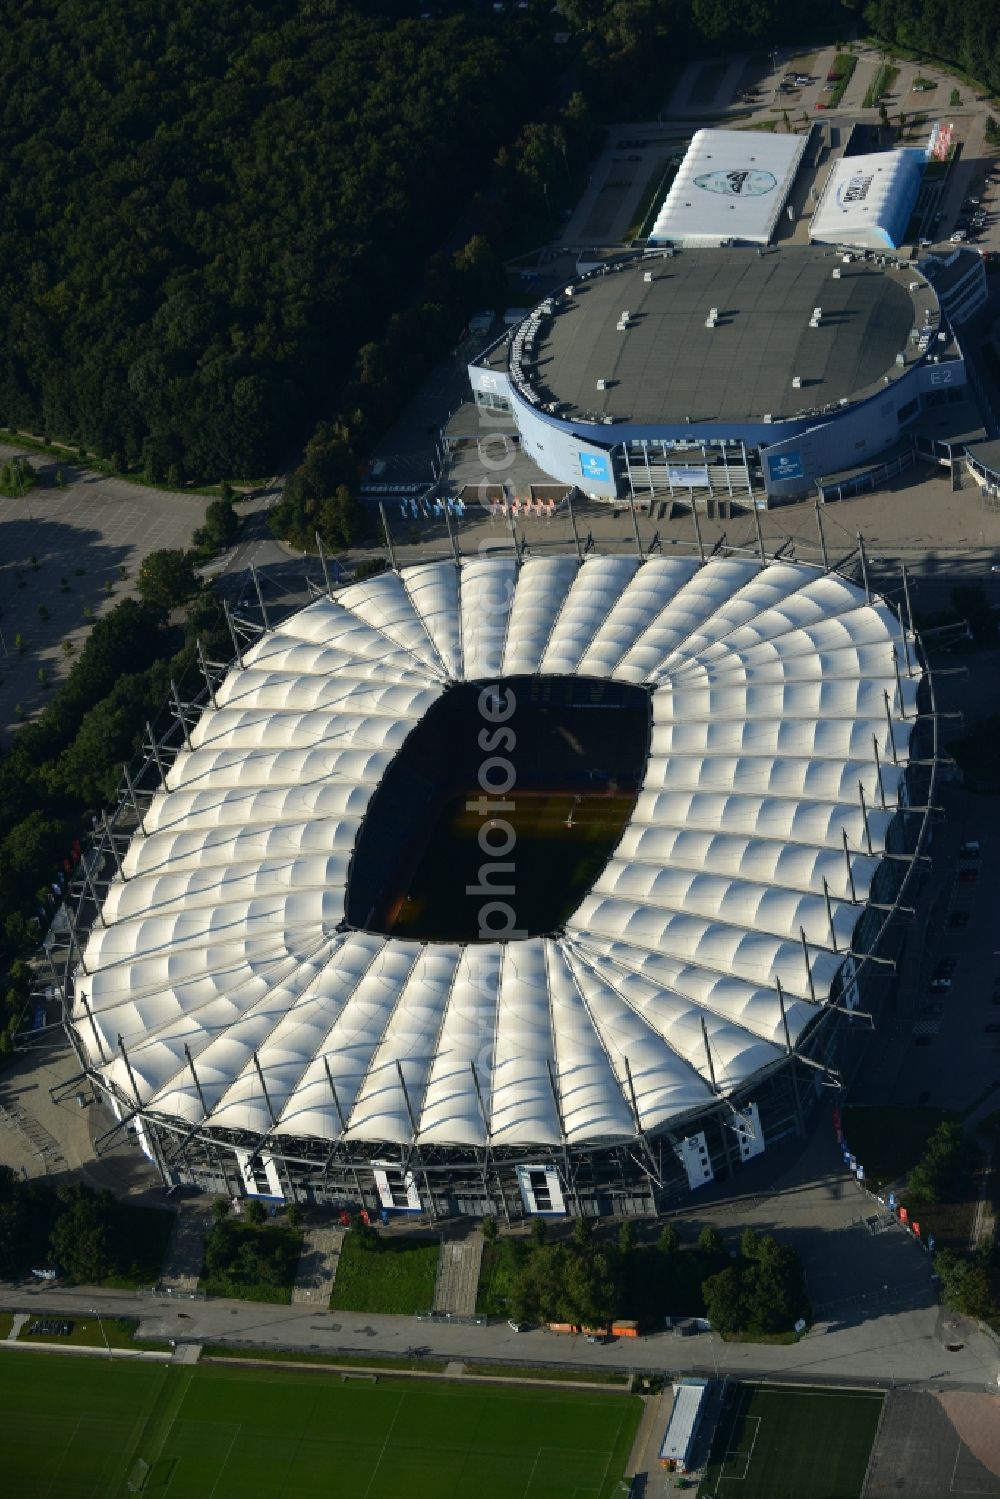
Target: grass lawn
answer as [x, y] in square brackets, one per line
[888, 1141]
[89, 1333]
[75, 1431]
[843, 67]
[536, 1371]
[813, 1444]
[881, 85]
[338, 1360]
[395, 1275]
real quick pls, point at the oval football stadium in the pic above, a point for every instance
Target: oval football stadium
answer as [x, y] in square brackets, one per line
[513, 887]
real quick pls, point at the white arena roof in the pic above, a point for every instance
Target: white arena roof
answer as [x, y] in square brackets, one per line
[868, 200]
[731, 185]
[224, 942]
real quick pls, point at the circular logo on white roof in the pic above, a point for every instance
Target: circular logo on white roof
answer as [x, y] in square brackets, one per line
[742, 184]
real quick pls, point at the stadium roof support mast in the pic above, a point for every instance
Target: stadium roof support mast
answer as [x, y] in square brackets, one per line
[451, 533]
[809, 971]
[260, 597]
[697, 530]
[98, 1039]
[209, 683]
[388, 537]
[135, 807]
[756, 524]
[829, 914]
[140, 1113]
[155, 748]
[651, 1171]
[850, 869]
[864, 818]
[790, 1051]
[274, 1121]
[635, 524]
[323, 565]
[179, 710]
[485, 1166]
[892, 735]
[822, 537]
[119, 867]
[414, 1148]
[237, 648]
[878, 772]
[570, 1173]
[718, 1094]
[572, 521]
[343, 1131]
[864, 567]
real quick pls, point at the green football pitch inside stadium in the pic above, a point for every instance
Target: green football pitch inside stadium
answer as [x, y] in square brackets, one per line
[75, 1428]
[779, 1443]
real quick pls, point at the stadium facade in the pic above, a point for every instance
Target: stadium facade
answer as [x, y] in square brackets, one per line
[717, 365]
[689, 1013]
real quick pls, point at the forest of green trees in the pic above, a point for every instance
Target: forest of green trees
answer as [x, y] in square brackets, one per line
[206, 209]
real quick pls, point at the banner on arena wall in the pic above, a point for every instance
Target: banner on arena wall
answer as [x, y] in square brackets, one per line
[683, 473]
[785, 465]
[595, 466]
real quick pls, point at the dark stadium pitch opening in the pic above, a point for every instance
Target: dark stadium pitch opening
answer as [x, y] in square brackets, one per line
[511, 794]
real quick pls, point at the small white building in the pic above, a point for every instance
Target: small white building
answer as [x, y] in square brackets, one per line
[682, 1428]
[729, 189]
[868, 200]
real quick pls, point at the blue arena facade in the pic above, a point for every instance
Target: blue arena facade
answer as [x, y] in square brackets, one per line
[733, 371]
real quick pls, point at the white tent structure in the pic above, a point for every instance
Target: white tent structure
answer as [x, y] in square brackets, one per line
[222, 991]
[729, 189]
[867, 200]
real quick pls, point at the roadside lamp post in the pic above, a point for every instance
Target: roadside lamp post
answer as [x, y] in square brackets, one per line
[100, 1324]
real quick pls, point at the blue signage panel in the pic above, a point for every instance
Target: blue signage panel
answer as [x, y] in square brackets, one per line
[595, 466]
[785, 465]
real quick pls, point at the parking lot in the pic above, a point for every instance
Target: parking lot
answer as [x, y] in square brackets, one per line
[67, 551]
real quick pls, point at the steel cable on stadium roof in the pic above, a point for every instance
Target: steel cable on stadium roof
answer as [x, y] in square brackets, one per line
[205, 964]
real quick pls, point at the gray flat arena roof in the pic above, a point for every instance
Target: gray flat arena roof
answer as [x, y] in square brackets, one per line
[668, 367]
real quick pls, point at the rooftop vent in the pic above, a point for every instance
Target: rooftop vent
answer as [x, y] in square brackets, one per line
[836, 273]
[647, 277]
[602, 384]
[797, 382]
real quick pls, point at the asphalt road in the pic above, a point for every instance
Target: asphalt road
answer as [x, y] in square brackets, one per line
[905, 1348]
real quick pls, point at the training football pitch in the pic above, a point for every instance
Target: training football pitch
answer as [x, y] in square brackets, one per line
[75, 1428]
[776, 1443]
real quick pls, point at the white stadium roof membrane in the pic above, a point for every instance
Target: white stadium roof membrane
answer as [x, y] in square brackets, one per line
[224, 943]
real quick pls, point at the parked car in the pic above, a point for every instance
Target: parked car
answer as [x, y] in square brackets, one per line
[968, 876]
[958, 919]
[992, 1027]
[939, 985]
[971, 847]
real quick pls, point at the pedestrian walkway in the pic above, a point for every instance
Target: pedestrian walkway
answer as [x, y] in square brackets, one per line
[458, 1276]
[37, 1138]
[185, 1252]
[317, 1266]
